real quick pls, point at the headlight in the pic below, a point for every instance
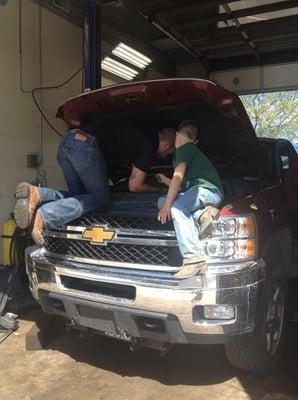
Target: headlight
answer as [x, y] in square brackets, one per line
[233, 239]
[237, 227]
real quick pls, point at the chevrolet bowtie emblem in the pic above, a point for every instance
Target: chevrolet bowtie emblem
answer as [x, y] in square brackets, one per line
[98, 235]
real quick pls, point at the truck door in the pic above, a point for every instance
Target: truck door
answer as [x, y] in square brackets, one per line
[288, 160]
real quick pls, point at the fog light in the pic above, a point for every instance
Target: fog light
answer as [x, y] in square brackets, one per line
[220, 311]
[45, 276]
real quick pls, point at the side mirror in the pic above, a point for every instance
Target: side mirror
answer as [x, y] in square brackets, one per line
[285, 162]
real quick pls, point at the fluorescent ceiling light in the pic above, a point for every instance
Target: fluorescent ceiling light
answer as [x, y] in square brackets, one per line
[117, 64]
[135, 52]
[131, 55]
[112, 71]
[117, 68]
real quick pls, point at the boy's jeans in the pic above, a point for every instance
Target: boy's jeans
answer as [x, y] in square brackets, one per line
[85, 172]
[183, 215]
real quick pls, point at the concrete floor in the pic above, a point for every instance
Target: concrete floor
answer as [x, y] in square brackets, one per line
[72, 368]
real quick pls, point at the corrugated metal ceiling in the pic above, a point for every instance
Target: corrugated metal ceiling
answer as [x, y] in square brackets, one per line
[224, 34]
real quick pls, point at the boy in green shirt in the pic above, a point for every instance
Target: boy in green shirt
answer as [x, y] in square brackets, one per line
[195, 185]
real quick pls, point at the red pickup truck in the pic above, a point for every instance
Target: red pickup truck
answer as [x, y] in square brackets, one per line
[124, 287]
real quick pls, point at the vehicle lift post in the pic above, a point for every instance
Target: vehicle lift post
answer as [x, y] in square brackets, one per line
[92, 44]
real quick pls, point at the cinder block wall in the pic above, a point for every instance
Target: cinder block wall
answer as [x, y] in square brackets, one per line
[21, 129]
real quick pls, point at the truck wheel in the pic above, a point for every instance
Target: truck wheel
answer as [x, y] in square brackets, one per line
[260, 352]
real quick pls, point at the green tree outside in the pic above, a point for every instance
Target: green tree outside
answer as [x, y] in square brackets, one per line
[274, 114]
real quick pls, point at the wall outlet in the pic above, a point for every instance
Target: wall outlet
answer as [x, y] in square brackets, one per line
[32, 160]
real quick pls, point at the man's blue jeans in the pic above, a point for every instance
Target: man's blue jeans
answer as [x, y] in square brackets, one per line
[183, 214]
[85, 172]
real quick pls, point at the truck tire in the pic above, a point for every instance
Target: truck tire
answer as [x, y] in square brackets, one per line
[260, 351]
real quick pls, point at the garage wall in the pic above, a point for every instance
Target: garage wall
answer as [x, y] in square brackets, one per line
[193, 70]
[267, 78]
[21, 129]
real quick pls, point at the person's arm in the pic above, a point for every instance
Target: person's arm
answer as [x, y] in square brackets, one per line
[137, 184]
[161, 178]
[141, 166]
[165, 212]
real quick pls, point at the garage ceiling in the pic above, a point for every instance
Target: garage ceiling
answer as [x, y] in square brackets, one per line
[221, 34]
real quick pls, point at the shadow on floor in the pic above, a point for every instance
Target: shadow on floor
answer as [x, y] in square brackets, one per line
[184, 365]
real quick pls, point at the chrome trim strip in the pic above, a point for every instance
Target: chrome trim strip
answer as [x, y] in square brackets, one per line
[122, 231]
[214, 266]
[98, 277]
[76, 228]
[144, 267]
[121, 240]
[142, 232]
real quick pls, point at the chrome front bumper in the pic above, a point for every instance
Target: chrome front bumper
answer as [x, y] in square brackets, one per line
[156, 297]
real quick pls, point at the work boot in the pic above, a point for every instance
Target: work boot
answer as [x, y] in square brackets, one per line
[37, 231]
[191, 267]
[205, 220]
[26, 205]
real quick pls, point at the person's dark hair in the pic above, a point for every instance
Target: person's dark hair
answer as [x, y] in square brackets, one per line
[189, 128]
[168, 135]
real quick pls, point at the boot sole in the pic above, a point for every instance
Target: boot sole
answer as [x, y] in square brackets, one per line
[23, 191]
[21, 213]
[37, 233]
[199, 271]
[195, 273]
[39, 242]
[206, 228]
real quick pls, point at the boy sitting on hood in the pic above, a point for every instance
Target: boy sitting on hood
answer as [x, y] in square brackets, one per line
[194, 186]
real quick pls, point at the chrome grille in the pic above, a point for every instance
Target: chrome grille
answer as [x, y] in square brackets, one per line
[122, 253]
[124, 221]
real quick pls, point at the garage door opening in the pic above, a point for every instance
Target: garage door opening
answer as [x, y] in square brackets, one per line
[274, 114]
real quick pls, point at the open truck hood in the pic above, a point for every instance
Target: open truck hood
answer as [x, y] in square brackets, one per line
[140, 96]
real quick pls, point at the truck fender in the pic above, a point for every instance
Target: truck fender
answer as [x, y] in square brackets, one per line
[278, 253]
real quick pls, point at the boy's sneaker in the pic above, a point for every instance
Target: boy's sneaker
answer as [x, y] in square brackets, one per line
[191, 267]
[28, 200]
[205, 219]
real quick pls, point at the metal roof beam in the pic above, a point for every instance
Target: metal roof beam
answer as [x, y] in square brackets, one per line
[259, 27]
[263, 48]
[282, 5]
[177, 10]
[173, 35]
[167, 7]
[237, 41]
[255, 29]
[169, 32]
[222, 63]
[245, 36]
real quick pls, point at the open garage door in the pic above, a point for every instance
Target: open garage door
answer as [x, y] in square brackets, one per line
[274, 114]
